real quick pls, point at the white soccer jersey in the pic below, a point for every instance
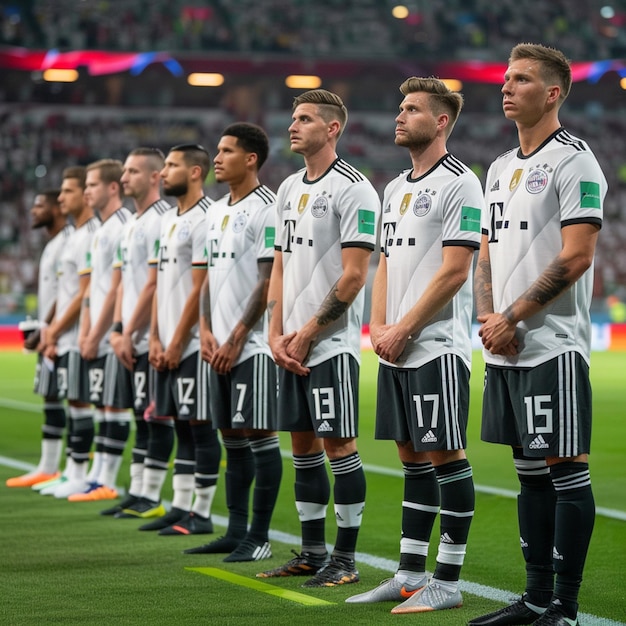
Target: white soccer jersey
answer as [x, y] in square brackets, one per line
[529, 199]
[181, 249]
[420, 217]
[138, 250]
[73, 264]
[239, 236]
[315, 221]
[104, 247]
[49, 271]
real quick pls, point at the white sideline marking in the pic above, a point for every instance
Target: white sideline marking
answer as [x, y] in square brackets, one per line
[476, 589]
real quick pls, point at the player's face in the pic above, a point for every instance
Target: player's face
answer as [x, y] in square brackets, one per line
[41, 214]
[71, 197]
[175, 175]
[524, 92]
[308, 132]
[136, 177]
[231, 161]
[416, 125]
[96, 191]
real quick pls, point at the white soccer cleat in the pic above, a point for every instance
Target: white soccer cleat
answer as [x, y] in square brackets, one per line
[388, 590]
[433, 597]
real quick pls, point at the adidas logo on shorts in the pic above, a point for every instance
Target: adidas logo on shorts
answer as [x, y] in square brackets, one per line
[538, 443]
[429, 437]
[238, 418]
[325, 427]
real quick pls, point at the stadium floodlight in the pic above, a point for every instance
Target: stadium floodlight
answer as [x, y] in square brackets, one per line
[53, 75]
[202, 79]
[301, 81]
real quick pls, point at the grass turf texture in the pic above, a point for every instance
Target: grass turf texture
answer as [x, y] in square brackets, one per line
[63, 563]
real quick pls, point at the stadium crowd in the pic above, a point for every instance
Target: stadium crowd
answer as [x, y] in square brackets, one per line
[456, 28]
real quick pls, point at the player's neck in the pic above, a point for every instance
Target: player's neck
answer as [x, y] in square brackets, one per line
[56, 227]
[424, 158]
[189, 200]
[240, 189]
[531, 137]
[111, 207]
[83, 217]
[317, 164]
[143, 204]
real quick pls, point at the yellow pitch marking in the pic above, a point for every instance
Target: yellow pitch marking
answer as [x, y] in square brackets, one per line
[257, 585]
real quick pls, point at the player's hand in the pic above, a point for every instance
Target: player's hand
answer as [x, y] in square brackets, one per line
[279, 345]
[299, 347]
[208, 345]
[498, 334]
[225, 356]
[122, 345]
[89, 347]
[376, 332]
[172, 356]
[156, 355]
[390, 342]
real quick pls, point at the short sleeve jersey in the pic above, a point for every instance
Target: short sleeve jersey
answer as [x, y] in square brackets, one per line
[73, 264]
[315, 221]
[239, 236]
[181, 249]
[48, 271]
[529, 200]
[138, 250]
[420, 217]
[104, 247]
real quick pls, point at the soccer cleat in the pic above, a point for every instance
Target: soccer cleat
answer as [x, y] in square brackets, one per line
[554, 617]
[223, 545]
[165, 520]
[304, 564]
[127, 502]
[336, 572]
[99, 492]
[47, 487]
[28, 480]
[433, 597]
[250, 550]
[390, 589]
[190, 524]
[517, 613]
[142, 509]
[70, 487]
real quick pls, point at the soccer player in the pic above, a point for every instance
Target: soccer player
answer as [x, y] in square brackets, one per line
[420, 327]
[139, 244]
[242, 376]
[46, 213]
[61, 336]
[327, 216]
[174, 349]
[103, 193]
[533, 292]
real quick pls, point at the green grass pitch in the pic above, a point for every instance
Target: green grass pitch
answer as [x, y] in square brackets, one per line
[62, 563]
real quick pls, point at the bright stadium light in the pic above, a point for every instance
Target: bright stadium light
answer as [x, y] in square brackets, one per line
[296, 81]
[452, 84]
[622, 82]
[201, 79]
[400, 12]
[60, 76]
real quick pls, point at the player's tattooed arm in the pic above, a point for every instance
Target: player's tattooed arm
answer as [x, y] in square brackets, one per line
[258, 298]
[332, 308]
[483, 287]
[205, 304]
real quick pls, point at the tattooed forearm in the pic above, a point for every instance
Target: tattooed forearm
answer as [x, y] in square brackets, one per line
[205, 305]
[552, 283]
[483, 288]
[256, 304]
[332, 308]
[270, 308]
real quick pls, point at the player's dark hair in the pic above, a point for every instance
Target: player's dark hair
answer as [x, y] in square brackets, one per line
[442, 99]
[78, 173]
[51, 196]
[329, 105]
[195, 154]
[111, 171]
[251, 138]
[555, 67]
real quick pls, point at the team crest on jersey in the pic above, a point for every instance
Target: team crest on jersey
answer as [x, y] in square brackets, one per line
[304, 198]
[225, 222]
[239, 223]
[517, 176]
[422, 205]
[140, 235]
[406, 201]
[537, 181]
[184, 232]
[319, 207]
